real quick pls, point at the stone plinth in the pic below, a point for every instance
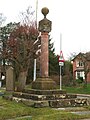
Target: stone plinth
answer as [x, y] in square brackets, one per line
[44, 92]
[43, 84]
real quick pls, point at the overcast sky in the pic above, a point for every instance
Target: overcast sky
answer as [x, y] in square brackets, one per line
[71, 18]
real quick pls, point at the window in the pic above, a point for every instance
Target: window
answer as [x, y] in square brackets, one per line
[80, 74]
[79, 64]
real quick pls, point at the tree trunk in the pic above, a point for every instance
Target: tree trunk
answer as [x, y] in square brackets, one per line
[21, 81]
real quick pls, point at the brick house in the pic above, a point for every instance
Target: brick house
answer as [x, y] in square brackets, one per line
[81, 66]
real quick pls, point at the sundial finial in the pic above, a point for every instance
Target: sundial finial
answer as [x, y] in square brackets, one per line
[45, 11]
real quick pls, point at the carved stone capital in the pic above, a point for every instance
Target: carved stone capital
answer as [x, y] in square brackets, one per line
[45, 25]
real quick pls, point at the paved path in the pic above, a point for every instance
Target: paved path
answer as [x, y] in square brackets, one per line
[83, 96]
[86, 119]
[81, 112]
[29, 118]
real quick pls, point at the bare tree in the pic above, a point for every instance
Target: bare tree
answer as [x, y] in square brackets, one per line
[2, 19]
[28, 17]
[21, 51]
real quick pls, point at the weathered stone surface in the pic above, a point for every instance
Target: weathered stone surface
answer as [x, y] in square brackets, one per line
[69, 96]
[40, 104]
[40, 97]
[68, 103]
[45, 92]
[53, 100]
[44, 84]
[45, 25]
[44, 61]
[48, 100]
[10, 82]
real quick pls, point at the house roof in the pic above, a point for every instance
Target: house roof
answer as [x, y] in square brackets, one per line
[85, 55]
[77, 56]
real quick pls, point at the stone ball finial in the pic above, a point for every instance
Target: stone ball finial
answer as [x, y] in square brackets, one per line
[45, 11]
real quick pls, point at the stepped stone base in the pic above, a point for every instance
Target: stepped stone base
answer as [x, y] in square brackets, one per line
[43, 84]
[55, 103]
[47, 98]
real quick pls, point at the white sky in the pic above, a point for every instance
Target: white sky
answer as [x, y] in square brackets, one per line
[71, 18]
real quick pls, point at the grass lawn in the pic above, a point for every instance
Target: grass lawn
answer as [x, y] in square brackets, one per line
[12, 109]
[78, 89]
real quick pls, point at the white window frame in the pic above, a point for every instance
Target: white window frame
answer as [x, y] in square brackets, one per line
[82, 74]
[79, 64]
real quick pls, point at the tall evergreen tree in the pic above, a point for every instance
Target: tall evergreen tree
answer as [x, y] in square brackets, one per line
[53, 59]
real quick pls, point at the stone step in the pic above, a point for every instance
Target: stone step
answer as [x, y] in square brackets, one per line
[69, 103]
[73, 102]
[44, 92]
[53, 101]
[50, 98]
[43, 97]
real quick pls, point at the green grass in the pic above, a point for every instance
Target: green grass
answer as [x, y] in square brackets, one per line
[12, 109]
[78, 89]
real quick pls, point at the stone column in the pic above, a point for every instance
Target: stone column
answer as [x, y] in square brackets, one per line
[44, 28]
[44, 83]
[44, 54]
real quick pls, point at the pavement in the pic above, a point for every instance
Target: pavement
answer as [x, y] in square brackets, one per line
[81, 112]
[83, 96]
[18, 118]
